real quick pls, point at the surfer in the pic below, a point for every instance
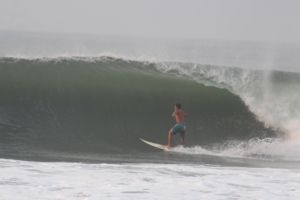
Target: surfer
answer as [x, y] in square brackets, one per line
[179, 127]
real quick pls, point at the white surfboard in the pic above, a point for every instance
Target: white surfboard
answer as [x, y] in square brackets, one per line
[159, 146]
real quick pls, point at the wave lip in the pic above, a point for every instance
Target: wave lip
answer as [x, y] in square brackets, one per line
[244, 54]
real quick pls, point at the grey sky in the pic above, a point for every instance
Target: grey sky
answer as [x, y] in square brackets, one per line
[275, 20]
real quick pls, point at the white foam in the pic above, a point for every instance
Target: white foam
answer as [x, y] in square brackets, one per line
[25, 180]
[269, 149]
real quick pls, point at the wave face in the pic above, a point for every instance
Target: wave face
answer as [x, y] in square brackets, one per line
[103, 105]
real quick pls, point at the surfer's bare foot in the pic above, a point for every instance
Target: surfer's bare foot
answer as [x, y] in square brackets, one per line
[168, 146]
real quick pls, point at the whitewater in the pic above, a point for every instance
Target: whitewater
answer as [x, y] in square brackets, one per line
[36, 180]
[72, 110]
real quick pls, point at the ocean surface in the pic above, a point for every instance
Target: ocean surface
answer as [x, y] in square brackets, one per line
[70, 122]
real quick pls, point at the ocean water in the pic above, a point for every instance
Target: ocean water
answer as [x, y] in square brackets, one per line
[70, 122]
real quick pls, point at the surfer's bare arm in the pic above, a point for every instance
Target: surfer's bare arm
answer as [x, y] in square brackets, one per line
[174, 114]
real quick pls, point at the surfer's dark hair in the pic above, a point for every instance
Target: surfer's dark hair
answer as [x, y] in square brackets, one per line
[178, 105]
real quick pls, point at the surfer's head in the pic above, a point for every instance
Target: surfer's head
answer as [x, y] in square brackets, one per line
[178, 105]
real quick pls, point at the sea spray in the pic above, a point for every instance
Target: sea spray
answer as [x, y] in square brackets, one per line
[271, 95]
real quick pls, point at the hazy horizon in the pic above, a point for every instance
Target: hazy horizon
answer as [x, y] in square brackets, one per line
[266, 20]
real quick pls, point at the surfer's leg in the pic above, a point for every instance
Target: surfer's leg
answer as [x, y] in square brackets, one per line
[170, 137]
[182, 138]
[182, 134]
